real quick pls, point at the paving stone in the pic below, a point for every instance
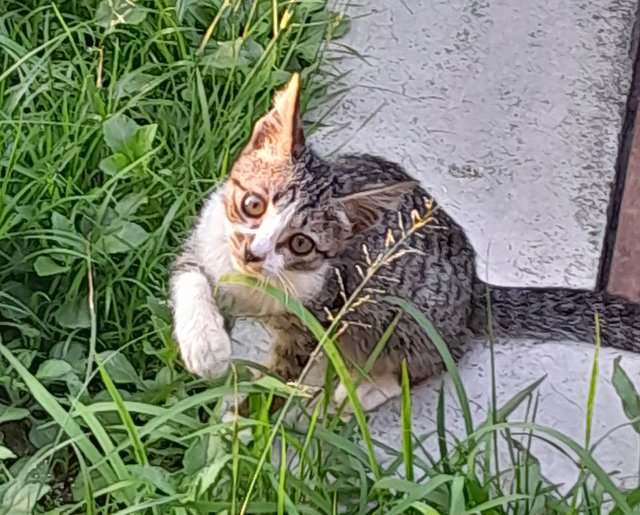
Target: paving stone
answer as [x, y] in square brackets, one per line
[508, 111]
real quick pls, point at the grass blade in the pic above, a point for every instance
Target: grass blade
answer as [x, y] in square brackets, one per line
[328, 345]
[136, 442]
[60, 416]
[442, 431]
[405, 414]
[446, 356]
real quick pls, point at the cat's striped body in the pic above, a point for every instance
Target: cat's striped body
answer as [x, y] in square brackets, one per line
[306, 225]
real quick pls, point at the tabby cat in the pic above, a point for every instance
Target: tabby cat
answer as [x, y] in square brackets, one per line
[307, 225]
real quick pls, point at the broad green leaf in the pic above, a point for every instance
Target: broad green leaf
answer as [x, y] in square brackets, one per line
[45, 266]
[339, 25]
[111, 165]
[10, 413]
[129, 236]
[232, 54]
[142, 141]
[26, 212]
[74, 313]
[627, 393]
[118, 131]
[6, 453]
[209, 474]
[53, 369]
[127, 140]
[129, 204]
[195, 457]
[43, 434]
[119, 368]
[111, 13]
[155, 476]
[131, 83]
[75, 385]
[72, 352]
[21, 497]
[60, 222]
[159, 308]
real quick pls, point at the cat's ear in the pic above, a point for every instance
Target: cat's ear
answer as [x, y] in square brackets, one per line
[366, 208]
[278, 134]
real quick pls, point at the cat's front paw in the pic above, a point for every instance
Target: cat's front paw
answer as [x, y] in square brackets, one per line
[371, 393]
[205, 349]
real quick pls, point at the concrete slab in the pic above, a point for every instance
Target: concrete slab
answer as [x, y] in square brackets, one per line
[561, 405]
[508, 111]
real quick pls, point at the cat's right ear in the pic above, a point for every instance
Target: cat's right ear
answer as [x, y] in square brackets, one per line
[366, 208]
[278, 135]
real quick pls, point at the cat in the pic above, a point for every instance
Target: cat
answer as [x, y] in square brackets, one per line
[306, 225]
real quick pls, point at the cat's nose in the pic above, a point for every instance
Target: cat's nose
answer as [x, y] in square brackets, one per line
[250, 257]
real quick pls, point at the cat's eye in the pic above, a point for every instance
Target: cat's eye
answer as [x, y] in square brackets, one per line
[253, 205]
[300, 244]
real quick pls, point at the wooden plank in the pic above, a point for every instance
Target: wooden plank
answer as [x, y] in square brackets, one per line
[624, 275]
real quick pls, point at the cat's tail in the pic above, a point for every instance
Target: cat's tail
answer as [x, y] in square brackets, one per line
[557, 314]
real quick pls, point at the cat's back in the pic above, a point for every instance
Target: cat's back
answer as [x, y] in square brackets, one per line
[356, 173]
[353, 173]
[440, 260]
[433, 267]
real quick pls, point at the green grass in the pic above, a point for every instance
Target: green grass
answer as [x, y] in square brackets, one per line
[116, 118]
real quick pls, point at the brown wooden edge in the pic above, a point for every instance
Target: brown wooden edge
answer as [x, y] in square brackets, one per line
[624, 274]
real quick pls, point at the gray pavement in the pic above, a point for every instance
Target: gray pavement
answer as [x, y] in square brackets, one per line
[509, 111]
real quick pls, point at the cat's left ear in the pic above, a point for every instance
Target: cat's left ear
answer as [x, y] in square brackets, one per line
[366, 208]
[279, 133]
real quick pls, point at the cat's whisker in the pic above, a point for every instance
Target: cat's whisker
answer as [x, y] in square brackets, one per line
[287, 285]
[388, 278]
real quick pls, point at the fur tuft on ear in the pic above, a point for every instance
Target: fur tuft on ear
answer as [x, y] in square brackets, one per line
[365, 208]
[278, 135]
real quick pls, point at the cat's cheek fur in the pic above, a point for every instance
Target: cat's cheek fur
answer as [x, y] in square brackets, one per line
[273, 263]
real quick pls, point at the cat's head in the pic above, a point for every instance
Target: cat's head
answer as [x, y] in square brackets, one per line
[282, 213]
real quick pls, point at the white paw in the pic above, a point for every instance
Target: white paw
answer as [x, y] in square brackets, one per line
[371, 394]
[198, 326]
[244, 435]
[205, 347]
